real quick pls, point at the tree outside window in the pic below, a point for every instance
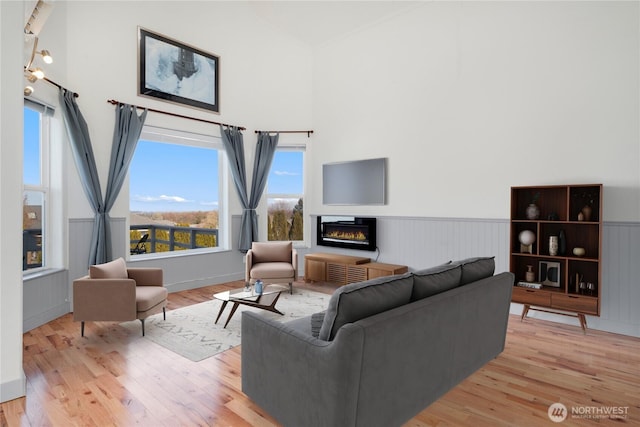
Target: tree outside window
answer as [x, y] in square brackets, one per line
[285, 195]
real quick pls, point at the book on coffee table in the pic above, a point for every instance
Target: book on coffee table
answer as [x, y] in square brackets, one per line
[245, 295]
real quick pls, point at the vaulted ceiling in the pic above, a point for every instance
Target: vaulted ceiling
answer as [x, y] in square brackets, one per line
[317, 22]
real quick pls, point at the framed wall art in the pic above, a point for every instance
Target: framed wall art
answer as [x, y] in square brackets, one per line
[549, 273]
[176, 72]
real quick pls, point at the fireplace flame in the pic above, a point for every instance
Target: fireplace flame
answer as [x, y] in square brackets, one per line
[344, 235]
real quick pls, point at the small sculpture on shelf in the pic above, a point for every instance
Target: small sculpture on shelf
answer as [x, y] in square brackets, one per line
[526, 238]
[533, 211]
[530, 275]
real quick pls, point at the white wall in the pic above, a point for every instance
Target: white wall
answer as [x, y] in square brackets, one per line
[264, 76]
[12, 380]
[469, 98]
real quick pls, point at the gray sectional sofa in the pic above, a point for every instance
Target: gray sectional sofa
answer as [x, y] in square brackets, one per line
[384, 349]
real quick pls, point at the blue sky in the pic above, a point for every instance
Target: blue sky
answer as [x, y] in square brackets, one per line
[31, 170]
[174, 178]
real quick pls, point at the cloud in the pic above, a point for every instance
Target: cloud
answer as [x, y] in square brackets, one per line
[214, 203]
[161, 198]
[286, 173]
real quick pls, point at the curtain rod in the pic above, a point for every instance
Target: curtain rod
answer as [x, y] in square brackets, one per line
[75, 95]
[114, 102]
[308, 132]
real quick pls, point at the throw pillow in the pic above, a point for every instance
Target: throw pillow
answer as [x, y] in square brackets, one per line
[474, 269]
[435, 280]
[356, 301]
[116, 269]
[271, 251]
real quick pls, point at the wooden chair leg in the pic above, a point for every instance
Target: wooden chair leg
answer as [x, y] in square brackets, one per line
[164, 313]
[82, 328]
[291, 288]
[142, 321]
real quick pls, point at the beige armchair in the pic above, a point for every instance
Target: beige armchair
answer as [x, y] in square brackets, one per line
[272, 262]
[113, 292]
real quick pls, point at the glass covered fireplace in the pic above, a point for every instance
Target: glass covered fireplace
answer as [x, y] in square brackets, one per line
[347, 232]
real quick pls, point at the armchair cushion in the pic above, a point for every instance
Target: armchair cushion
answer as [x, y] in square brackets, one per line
[272, 270]
[271, 251]
[148, 297]
[116, 269]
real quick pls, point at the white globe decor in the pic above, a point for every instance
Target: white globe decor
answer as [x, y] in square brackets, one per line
[527, 237]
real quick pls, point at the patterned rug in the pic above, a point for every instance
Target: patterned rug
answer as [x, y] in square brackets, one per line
[191, 332]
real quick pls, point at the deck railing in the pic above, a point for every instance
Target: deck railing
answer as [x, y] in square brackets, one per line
[165, 238]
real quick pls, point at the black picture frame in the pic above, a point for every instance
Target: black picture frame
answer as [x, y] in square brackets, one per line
[176, 72]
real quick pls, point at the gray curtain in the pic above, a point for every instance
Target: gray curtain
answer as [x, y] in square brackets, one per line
[86, 164]
[265, 149]
[234, 147]
[128, 126]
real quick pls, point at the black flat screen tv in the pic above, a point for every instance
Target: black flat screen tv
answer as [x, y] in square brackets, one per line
[358, 182]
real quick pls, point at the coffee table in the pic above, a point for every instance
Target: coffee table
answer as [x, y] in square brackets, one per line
[266, 301]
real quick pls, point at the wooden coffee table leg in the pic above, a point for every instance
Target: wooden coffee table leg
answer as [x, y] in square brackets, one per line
[272, 307]
[224, 304]
[233, 310]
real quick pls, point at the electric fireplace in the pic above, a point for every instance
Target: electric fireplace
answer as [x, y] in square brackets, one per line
[347, 232]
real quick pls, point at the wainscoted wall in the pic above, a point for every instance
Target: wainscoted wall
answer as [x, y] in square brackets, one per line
[416, 242]
[45, 297]
[424, 242]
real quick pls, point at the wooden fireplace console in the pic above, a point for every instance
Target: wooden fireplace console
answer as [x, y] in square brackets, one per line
[345, 269]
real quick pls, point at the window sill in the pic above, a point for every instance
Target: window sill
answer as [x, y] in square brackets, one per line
[176, 254]
[31, 275]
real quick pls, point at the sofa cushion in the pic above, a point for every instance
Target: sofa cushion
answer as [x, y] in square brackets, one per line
[271, 251]
[116, 269]
[474, 269]
[434, 280]
[356, 301]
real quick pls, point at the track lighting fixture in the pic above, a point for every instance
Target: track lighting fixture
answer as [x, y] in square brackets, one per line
[35, 74]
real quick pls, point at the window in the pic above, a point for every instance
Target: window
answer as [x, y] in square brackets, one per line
[285, 195]
[175, 192]
[35, 185]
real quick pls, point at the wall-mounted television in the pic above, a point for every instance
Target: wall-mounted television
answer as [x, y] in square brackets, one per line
[358, 182]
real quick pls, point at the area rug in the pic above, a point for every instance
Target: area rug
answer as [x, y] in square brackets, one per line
[190, 331]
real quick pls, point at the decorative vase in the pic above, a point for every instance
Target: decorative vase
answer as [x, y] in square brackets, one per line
[258, 287]
[580, 216]
[533, 212]
[529, 275]
[553, 245]
[562, 243]
[586, 211]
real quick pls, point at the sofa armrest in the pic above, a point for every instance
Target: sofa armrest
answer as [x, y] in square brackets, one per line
[146, 276]
[299, 379]
[104, 299]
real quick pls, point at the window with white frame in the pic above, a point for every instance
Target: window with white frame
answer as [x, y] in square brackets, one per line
[285, 195]
[35, 181]
[176, 194]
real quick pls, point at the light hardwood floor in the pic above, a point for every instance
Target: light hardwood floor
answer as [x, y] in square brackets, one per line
[113, 377]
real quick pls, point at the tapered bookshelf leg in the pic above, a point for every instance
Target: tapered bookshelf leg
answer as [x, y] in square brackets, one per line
[525, 311]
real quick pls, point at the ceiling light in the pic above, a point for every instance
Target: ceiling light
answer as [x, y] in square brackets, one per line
[46, 56]
[38, 73]
[28, 90]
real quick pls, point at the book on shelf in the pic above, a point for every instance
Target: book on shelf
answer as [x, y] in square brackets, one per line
[532, 285]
